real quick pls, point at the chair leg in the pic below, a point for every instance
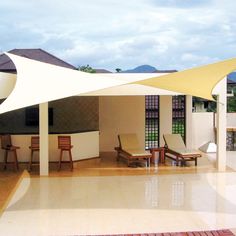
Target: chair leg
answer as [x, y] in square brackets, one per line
[177, 161]
[117, 156]
[16, 161]
[60, 159]
[70, 159]
[195, 161]
[5, 160]
[31, 160]
[71, 162]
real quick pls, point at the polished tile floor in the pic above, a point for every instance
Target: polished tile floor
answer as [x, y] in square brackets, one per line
[122, 204]
[8, 181]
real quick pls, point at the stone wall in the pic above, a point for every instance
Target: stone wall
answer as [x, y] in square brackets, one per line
[70, 115]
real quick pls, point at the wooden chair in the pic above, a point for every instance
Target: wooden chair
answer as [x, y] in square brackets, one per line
[34, 148]
[64, 144]
[8, 147]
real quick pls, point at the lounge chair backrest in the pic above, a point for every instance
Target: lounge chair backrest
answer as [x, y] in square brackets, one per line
[128, 141]
[174, 141]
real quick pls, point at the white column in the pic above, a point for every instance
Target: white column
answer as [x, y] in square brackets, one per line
[221, 126]
[189, 118]
[43, 132]
[165, 117]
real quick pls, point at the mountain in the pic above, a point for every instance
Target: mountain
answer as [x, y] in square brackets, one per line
[141, 69]
[232, 76]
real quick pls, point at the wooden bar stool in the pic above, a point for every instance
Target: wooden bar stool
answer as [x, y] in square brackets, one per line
[34, 148]
[64, 144]
[8, 147]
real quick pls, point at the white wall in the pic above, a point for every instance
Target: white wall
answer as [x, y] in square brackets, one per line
[85, 145]
[120, 114]
[231, 119]
[202, 128]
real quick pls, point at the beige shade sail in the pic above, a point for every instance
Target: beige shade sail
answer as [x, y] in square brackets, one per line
[199, 81]
[39, 82]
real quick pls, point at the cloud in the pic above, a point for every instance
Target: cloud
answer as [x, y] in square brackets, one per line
[181, 3]
[170, 34]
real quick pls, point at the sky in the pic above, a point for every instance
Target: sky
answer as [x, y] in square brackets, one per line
[110, 34]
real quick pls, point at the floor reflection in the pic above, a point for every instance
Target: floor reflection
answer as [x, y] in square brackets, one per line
[152, 191]
[177, 194]
[124, 204]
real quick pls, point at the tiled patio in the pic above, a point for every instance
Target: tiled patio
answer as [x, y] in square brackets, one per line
[121, 204]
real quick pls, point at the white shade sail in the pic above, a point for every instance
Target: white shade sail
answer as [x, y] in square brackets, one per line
[39, 82]
[7, 83]
[129, 88]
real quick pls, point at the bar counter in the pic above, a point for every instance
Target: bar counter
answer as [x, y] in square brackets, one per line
[85, 146]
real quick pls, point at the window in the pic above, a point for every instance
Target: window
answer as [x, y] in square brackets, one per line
[178, 115]
[152, 121]
[32, 116]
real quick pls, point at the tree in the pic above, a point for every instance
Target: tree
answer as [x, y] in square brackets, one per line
[87, 69]
[118, 70]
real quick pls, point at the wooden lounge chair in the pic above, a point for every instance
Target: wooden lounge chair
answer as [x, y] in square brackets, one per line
[176, 150]
[129, 149]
